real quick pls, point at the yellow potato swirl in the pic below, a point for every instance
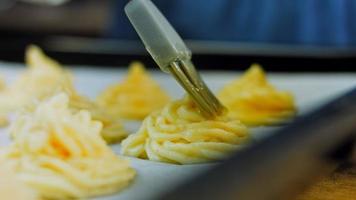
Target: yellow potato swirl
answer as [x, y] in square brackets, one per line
[44, 78]
[11, 188]
[136, 97]
[3, 116]
[254, 101]
[61, 154]
[41, 79]
[113, 130]
[180, 134]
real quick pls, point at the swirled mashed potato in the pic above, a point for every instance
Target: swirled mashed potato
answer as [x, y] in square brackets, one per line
[11, 188]
[254, 101]
[113, 130]
[41, 79]
[136, 97]
[3, 116]
[61, 154]
[180, 134]
[45, 77]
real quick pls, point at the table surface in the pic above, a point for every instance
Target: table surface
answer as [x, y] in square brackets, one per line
[340, 185]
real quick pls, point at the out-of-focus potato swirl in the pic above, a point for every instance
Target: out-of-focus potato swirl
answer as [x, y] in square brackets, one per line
[3, 116]
[180, 134]
[61, 154]
[41, 79]
[254, 101]
[113, 130]
[136, 97]
[44, 78]
[11, 188]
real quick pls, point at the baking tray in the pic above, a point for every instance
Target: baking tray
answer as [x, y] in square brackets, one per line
[154, 178]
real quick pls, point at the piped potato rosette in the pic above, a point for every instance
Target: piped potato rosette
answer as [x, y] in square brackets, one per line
[180, 134]
[11, 188]
[45, 77]
[254, 101]
[61, 154]
[113, 129]
[136, 96]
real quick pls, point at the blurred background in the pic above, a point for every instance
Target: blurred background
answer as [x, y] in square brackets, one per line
[303, 35]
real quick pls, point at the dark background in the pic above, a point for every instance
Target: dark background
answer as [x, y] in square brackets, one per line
[77, 32]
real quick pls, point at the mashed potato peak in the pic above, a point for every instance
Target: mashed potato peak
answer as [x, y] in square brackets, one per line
[41, 79]
[61, 154]
[136, 97]
[254, 101]
[44, 78]
[179, 134]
